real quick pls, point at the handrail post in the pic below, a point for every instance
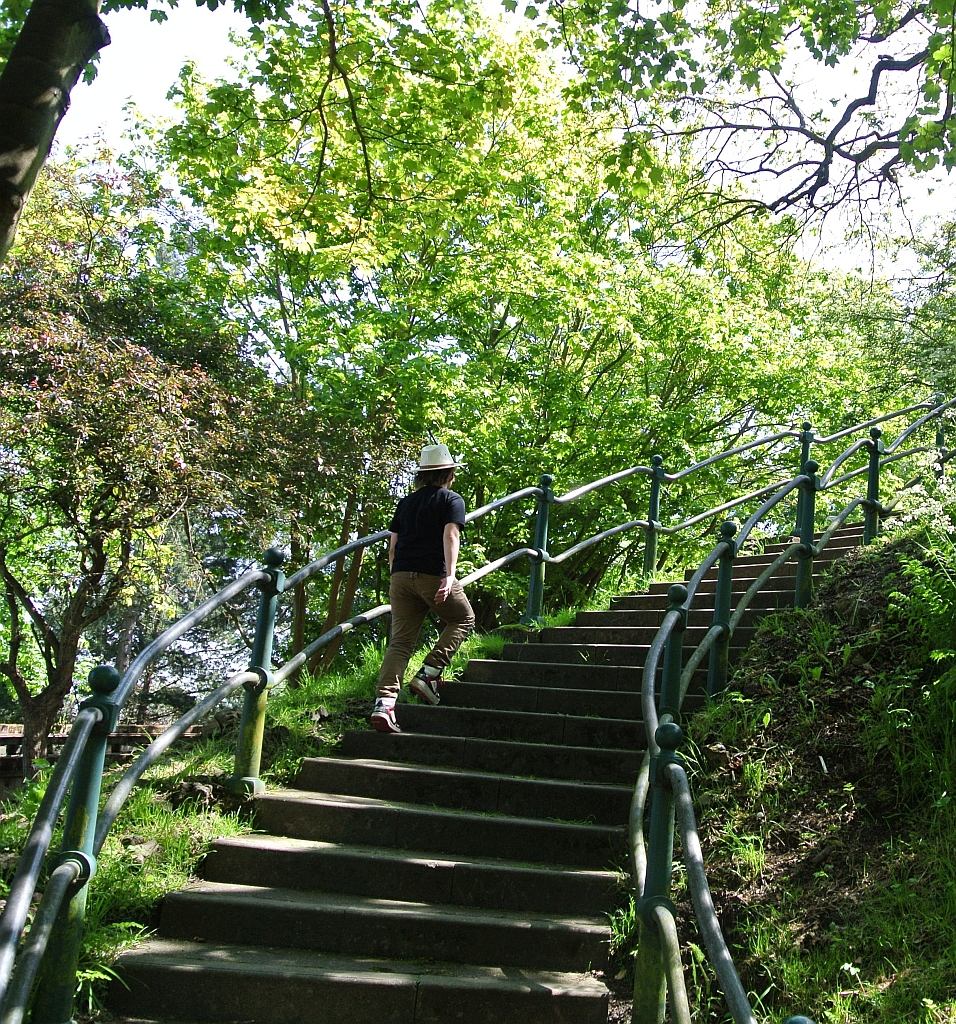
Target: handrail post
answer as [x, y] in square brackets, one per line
[871, 520]
[806, 440]
[245, 778]
[803, 588]
[720, 652]
[532, 616]
[57, 984]
[650, 981]
[653, 516]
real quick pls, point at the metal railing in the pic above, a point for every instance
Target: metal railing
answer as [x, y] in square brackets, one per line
[662, 773]
[50, 951]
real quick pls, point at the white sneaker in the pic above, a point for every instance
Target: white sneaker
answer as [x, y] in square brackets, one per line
[383, 718]
[425, 686]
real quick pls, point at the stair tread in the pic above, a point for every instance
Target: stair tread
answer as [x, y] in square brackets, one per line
[340, 800]
[451, 773]
[272, 961]
[264, 841]
[529, 760]
[262, 897]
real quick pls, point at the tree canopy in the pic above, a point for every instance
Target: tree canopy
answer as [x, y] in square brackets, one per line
[806, 105]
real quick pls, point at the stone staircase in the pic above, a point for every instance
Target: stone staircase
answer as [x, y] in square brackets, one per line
[461, 871]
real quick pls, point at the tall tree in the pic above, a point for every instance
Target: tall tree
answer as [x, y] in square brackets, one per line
[463, 258]
[105, 439]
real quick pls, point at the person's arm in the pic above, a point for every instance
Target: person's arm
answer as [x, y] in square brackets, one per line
[392, 541]
[451, 541]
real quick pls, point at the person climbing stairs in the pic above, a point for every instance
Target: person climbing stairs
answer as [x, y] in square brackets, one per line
[460, 870]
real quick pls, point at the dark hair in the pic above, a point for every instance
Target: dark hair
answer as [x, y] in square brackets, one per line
[434, 477]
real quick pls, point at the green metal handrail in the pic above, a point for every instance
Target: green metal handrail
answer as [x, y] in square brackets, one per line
[52, 945]
[662, 767]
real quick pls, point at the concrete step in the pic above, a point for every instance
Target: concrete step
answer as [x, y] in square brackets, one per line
[213, 982]
[632, 655]
[542, 699]
[365, 821]
[552, 675]
[764, 600]
[751, 568]
[630, 635]
[653, 617]
[521, 726]
[832, 551]
[286, 863]
[480, 792]
[352, 925]
[781, 582]
[541, 760]
[848, 535]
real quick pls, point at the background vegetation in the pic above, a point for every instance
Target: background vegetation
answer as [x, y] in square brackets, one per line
[391, 224]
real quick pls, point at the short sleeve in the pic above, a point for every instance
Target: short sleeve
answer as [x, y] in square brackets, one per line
[394, 525]
[455, 510]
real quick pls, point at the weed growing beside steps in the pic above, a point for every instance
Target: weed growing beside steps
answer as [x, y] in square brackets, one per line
[824, 789]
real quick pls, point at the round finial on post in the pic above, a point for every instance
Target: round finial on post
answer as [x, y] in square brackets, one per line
[728, 529]
[677, 594]
[876, 433]
[798, 1020]
[546, 480]
[657, 461]
[806, 425]
[104, 679]
[669, 736]
[810, 467]
[274, 558]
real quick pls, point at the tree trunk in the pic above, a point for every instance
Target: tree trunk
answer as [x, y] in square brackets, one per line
[300, 602]
[338, 575]
[58, 39]
[348, 598]
[124, 644]
[40, 711]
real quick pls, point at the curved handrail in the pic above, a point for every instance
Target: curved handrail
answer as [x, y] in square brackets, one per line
[670, 766]
[708, 563]
[579, 492]
[651, 661]
[25, 879]
[28, 962]
[673, 968]
[635, 820]
[847, 431]
[733, 451]
[169, 636]
[770, 503]
[913, 427]
[719, 954]
[162, 743]
[307, 571]
[851, 451]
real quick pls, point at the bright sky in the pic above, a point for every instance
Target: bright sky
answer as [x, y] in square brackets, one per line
[141, 64]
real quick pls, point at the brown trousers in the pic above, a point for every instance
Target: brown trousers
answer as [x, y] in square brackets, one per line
[412, 595]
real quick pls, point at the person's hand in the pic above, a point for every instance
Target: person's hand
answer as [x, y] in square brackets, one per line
[444, 589]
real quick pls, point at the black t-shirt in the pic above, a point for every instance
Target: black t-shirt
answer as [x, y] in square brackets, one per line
[420, 522]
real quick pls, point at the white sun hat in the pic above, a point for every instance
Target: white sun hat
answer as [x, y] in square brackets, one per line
[437, 456]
